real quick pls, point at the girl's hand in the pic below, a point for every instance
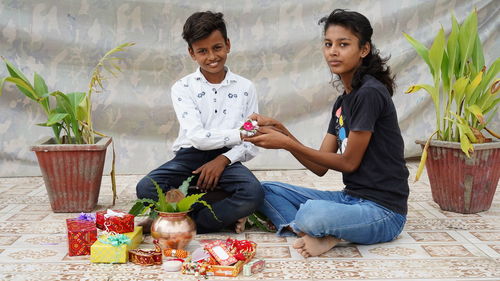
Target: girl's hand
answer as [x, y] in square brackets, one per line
[270, 138]
[263, 120]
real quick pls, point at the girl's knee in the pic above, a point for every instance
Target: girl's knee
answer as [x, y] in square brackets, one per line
[310, 218]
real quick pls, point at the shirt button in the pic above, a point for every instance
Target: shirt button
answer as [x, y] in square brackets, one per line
[216, 111]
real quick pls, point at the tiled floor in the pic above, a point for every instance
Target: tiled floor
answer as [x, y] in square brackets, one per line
[435, 245]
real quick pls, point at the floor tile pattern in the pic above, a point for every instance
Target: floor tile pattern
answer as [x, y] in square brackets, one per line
[435, 244]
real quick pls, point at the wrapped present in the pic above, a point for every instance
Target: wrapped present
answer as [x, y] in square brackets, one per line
[115, 248]
[220, 252]
[115, 221]
[81, 235]
[254, 266]
[241, 251]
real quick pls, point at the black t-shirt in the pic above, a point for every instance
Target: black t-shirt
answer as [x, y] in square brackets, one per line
[382, 176]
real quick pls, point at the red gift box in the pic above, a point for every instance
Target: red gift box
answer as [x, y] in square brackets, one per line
[81, 235]
[115, 221]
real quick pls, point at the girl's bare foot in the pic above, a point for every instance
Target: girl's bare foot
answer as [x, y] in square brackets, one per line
[309, 246]
[240, 225]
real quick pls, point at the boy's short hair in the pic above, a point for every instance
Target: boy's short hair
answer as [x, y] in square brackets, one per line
[201, 24]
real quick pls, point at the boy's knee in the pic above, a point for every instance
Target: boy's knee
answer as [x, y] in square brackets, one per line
[256, 193]
[143, 189]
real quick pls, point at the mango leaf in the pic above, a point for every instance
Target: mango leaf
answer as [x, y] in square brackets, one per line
[421, 50]
[185, 184]
[162, 203]
[185, 204]
[141, 206]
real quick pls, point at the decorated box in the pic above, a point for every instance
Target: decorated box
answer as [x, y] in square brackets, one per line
[115, 221]
[254, 266]
[222, 251]
[81, 235]
[107, 249]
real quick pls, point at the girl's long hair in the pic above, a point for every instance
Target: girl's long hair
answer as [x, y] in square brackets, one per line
[373, 63]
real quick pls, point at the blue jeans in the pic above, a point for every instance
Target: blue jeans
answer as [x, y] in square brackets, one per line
[243, 189]
[329, 213]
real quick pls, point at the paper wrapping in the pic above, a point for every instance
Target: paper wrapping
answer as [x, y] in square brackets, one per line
[106, 253]
[81, 235]
[114, 223]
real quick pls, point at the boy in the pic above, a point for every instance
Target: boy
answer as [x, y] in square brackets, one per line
[210, 105]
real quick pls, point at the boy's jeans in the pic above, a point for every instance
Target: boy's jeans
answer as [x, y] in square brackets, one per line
[329, 213]
[245, 190]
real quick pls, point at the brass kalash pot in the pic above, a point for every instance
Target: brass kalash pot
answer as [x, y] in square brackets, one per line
[173, 230]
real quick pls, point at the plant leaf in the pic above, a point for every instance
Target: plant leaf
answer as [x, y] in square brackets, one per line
[55, 118]
[25, 88]
[185, 184]
[476, 110]
[468, 30]
[421, 50]
[436, 53]
[452, 47]
[185, 204]
[423, 158]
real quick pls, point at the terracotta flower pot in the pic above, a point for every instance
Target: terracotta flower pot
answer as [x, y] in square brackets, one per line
[72, 173]
[173, 230]
[461, 184]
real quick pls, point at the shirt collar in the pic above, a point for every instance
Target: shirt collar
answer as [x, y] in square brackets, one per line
[229, 79]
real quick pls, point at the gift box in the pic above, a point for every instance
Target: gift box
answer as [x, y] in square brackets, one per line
[81, 235]
[243, 248]
[254, 266]
[115, 221]
[103, 250]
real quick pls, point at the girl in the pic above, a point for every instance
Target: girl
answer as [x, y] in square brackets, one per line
[363, 142]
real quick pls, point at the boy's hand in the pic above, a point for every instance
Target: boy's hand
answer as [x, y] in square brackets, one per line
[210, 173]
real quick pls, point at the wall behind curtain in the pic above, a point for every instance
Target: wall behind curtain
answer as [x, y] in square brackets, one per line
[277, 44]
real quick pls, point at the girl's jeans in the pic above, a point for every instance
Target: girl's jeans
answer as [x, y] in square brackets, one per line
[329, 213]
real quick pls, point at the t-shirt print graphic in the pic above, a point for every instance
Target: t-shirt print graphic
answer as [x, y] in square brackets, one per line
[341, 131]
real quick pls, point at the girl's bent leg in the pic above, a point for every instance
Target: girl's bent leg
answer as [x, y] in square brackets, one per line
[281, 202]
[352, 219]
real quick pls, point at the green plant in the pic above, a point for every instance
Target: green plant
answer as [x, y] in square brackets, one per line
[465, 91]
[70, 117]
[174, 201]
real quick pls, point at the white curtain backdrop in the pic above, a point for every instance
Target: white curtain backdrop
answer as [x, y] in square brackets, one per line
[276, 44]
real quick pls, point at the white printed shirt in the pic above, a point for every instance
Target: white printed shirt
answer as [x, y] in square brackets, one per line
[210, 115]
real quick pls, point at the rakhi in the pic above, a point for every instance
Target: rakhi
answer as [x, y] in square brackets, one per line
[249, 128]
[182, 254]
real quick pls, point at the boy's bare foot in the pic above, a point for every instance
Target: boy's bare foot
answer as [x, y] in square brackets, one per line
[309, 246]
[240, 225]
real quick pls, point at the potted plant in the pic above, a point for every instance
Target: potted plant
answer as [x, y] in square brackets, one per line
[71, 161]
[172, 226]
[463, 164]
